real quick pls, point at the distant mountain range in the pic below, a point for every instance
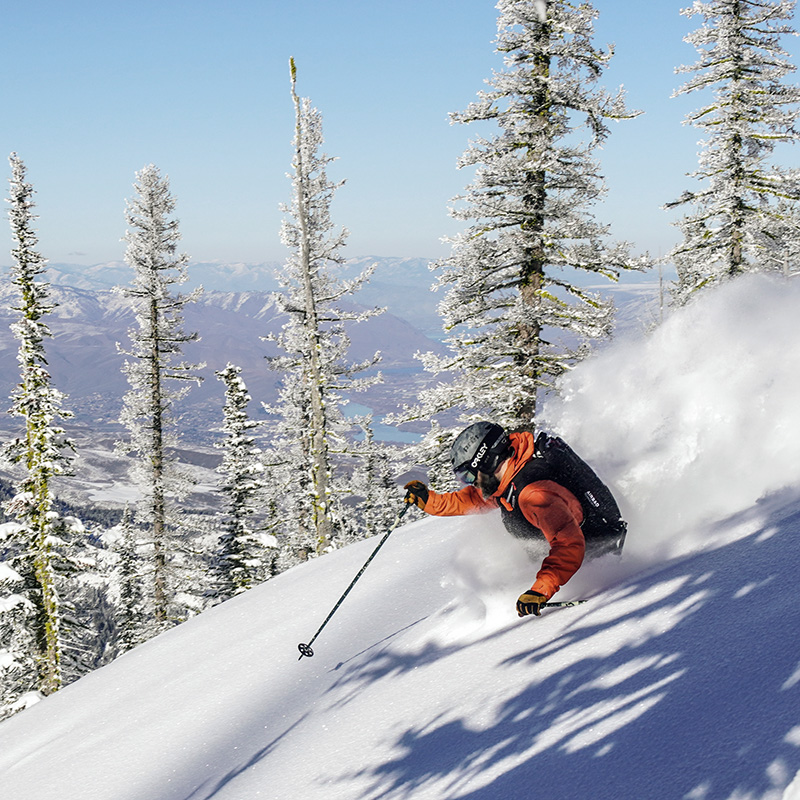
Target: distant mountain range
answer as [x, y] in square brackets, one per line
[403, 285]
[231, 317]
[88, 322]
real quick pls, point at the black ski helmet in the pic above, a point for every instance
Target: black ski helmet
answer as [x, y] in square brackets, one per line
[481, 447]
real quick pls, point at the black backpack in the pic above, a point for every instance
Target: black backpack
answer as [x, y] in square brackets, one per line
[603, 526]
[554, 460]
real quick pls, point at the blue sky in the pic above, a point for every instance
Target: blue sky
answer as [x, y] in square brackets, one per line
[93, 91]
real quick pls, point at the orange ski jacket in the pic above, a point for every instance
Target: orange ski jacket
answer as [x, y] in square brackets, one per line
[546, 505]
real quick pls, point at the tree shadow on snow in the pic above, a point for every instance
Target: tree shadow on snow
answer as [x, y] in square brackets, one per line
[697, 699]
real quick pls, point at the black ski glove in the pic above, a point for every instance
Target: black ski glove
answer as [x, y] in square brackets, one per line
[416, 493]
[530, 602]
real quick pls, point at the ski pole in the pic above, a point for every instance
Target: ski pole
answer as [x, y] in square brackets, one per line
[305, 649]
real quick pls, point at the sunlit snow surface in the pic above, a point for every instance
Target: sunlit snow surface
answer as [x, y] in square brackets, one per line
[679, 679]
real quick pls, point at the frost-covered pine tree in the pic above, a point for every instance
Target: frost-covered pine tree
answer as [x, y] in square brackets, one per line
[19, 676]
[375, 481]
[129, 578]
[746, 216]
[514, 309]
[42, 452]
[242, 559]
[87, 626]
[311, 425]
[156, 373]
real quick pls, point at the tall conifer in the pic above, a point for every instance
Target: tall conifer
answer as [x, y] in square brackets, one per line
[311, 426]
[515, 310]
[33, 655]
[746, 216]
[154, 368]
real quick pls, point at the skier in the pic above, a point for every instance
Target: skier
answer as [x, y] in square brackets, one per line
[500, 470]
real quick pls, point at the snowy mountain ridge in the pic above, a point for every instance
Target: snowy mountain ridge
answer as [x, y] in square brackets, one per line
[403, 285]
[678, 680]
[85, 363]
[394, 277]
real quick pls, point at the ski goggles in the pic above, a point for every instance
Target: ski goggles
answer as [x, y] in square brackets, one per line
[466, 473]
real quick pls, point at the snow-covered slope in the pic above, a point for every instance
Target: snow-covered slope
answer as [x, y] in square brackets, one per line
[679, 679]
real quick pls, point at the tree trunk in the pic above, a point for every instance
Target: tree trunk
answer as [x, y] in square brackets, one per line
[319, 458]
[532, 268]
[161, 595]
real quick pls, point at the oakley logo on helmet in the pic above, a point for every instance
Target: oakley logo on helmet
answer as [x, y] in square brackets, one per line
[479, 456]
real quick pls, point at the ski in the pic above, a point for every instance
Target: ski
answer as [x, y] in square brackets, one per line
[563, 603]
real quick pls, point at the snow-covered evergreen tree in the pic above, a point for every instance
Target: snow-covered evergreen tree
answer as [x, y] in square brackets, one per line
[311, 425]
[154, 368]
[87, 627]
[514, 310]
[375, 482]
[130, 581]
[242, 559]
[19, 677]
[746, 216]
[42, 452]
